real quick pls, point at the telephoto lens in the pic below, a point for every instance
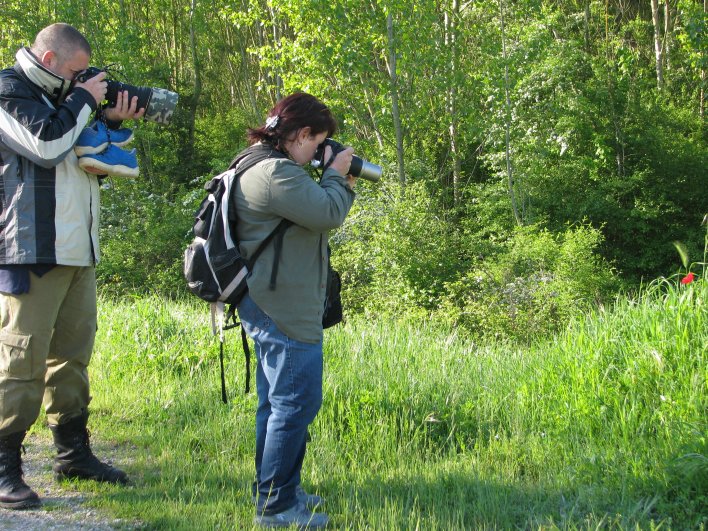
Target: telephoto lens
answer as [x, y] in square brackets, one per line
[358, 168]
[365, 169]
[159, 103]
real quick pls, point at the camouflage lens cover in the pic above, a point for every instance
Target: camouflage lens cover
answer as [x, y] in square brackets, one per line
[161, 106]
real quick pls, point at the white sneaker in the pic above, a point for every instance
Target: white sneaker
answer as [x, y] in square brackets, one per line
[298, 515]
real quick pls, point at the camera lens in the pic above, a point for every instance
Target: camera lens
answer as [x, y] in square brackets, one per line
[365, 169]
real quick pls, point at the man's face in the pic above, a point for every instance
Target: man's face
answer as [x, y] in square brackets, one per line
[67, 67]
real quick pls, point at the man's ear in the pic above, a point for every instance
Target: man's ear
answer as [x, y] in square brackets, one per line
[48, 59]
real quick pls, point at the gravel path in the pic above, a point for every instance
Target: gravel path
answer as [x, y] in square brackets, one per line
[62, 508]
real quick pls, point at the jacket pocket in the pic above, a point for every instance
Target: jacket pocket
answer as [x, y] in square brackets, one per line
[15, 355]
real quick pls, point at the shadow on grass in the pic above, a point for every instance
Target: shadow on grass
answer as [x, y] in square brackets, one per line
[167, 497]
[458, 501]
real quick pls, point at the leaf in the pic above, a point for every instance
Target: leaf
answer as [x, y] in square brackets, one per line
[683, 252]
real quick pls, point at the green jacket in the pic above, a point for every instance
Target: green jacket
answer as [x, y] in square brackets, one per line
[265, 194]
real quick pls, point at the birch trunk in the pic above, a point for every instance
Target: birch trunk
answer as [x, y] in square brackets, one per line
[702, 100]
[451, 43]
[394, 100]
[658, 51]
[507, 118]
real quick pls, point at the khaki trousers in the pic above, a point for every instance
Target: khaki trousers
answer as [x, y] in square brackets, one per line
[46, 341]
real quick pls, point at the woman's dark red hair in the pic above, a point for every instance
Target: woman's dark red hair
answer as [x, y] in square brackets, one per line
[291, 114]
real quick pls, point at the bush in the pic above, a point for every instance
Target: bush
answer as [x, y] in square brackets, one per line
[395, 252]
[537, 282]
[143, 237]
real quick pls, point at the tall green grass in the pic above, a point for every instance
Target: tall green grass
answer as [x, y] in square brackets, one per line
[603, 426]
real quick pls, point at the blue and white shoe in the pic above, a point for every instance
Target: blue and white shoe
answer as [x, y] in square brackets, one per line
[96, 137]
[112, 161]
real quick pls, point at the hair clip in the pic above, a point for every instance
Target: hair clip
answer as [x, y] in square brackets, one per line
[272, 122]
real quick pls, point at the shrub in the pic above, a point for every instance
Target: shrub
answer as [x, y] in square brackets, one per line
[143, 236]
[395, 252]
[537, 282]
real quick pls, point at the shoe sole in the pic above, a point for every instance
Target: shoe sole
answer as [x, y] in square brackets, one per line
[24, 504]
[92, 150]
[117, 170]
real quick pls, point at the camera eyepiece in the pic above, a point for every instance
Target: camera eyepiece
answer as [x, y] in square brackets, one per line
[358, 168]
[159, 103]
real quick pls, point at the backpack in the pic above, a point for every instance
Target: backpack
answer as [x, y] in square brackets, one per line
[214, 269]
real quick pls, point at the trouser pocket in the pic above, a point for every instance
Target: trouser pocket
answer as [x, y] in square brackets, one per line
[16, 355]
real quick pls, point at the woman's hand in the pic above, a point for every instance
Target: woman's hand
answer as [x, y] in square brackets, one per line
[126, 108]
[342, 161]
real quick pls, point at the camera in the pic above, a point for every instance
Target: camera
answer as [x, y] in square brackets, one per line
[159, 104]
[359, 167]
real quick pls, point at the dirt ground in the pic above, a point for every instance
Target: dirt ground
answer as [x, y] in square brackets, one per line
[62, 509]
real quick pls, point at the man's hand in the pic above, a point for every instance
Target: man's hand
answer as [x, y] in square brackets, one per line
[126, 108]
[96, 86]
[94, 171]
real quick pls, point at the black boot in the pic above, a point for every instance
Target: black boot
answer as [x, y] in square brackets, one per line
[14, 492]
[75, 458]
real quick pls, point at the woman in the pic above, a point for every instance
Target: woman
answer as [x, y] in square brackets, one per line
[283, 313]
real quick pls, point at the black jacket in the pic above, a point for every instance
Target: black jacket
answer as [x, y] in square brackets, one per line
[49, 204]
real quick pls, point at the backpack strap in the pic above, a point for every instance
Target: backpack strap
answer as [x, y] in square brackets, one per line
[254, 154]
[226, 321]
[277, 231]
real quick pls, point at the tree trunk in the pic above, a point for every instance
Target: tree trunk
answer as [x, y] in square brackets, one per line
[451, 44]
[195, 60]
[370, 111]
[702, 101]
[191, 104]
[668, 32]
[658, 51]
[277, 80]
[507, 119]
[587, 25]
[394, 100]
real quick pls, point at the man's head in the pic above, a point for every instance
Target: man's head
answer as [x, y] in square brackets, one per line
[62, 49]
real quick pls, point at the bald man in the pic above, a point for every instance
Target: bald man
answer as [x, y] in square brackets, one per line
[48, 252]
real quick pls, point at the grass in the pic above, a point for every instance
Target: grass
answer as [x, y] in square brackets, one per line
[603, 426]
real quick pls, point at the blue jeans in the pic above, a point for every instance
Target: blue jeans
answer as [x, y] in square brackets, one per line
[289, 385]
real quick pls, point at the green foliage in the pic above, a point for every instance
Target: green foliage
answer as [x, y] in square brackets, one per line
[219, 139]
[399, 256]
[395, 252]
[591, 138]
[144, 237]
[531, 286]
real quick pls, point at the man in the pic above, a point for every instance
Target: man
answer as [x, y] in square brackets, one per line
[48, 251]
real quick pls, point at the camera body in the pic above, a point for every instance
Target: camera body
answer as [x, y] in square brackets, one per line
[359, 167]
[159, 104]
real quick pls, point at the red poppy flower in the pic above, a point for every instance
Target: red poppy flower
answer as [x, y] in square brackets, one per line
[688, 278]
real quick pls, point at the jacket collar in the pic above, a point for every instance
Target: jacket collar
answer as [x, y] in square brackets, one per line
[53, 84]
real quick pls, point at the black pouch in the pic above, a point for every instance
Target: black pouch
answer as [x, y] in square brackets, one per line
[333, 301]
